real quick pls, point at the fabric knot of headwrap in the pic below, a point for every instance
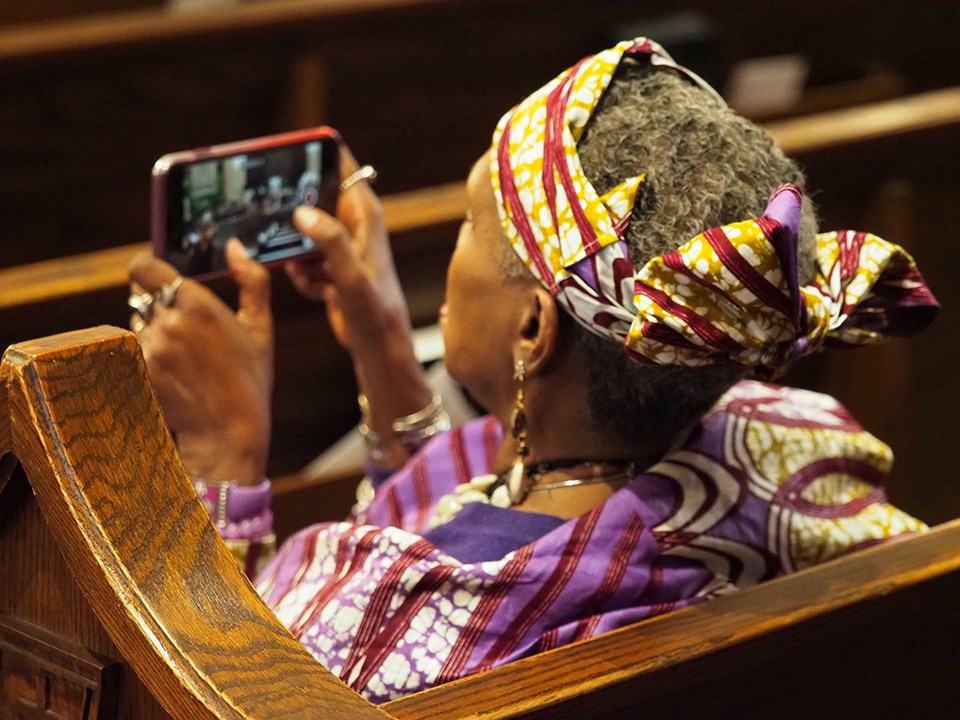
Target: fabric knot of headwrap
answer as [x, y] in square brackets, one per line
[731, 294]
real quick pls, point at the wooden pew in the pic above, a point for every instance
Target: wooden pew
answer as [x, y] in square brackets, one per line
[19, 12]
[119, 600]
[152, 586]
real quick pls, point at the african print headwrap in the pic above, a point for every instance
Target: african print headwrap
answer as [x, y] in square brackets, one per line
[731, 294]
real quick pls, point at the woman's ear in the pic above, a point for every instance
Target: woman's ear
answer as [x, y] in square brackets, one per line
[539, 330]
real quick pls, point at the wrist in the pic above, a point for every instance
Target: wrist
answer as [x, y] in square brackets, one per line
[240, 457]
[238, 512]
[406, 434]
[393, 382]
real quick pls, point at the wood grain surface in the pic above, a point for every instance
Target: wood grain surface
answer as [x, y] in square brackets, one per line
[113, 514]
[105, 473]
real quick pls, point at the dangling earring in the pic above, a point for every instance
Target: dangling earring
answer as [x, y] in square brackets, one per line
[516, 479]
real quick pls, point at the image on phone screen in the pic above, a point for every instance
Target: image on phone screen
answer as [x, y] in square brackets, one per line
[250, 196]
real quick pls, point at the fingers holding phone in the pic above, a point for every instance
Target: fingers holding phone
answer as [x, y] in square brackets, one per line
[246, 190]
[358, 224]
[338, 249]
[354, 274]
[212, 369]
[253, 299]
[353, 271]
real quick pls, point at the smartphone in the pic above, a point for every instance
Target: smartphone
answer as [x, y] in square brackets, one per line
[247, 190]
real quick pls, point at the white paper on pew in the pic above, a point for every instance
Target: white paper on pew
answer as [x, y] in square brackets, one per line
[761, 87]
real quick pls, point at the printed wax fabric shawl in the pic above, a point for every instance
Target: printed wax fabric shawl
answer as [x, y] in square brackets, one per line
[771, 481]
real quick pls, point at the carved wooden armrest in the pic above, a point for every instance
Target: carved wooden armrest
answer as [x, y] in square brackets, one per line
[80, 414]
[873, 634]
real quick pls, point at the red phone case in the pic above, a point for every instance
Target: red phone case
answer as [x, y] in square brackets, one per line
[163, 166]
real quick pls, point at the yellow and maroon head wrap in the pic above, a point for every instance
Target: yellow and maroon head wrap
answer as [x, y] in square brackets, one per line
[731, 294]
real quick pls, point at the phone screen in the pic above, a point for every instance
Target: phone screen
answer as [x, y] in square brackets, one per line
[250, 196]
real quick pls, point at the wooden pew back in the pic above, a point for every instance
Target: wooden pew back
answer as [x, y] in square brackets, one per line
[110, 495]
[89, 104]
[112, 560]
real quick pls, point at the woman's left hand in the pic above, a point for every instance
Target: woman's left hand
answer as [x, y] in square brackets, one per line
[354, 274]
[212, 369]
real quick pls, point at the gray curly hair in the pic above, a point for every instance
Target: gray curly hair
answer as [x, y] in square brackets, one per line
[705, 166]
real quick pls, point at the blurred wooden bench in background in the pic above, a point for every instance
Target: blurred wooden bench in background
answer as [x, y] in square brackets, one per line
[95, 91]
[119, 601]
[887, 167]
[91, 101]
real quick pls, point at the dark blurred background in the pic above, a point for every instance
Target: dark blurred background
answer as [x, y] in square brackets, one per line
[93, 91]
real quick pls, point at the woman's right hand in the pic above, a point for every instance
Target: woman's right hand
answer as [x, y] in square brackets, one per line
[212, 368]
[354, 271]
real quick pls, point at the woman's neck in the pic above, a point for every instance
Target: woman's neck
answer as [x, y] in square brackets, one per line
[572, 439]
[571, 491]
[559, 427]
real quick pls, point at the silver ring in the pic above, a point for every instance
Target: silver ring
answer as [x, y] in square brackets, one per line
[167, 294]
[367, 173]
[142, 305]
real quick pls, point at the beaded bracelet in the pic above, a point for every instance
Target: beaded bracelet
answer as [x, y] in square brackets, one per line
[236, 510]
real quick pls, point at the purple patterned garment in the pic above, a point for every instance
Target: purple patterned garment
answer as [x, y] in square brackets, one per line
[772, 480]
